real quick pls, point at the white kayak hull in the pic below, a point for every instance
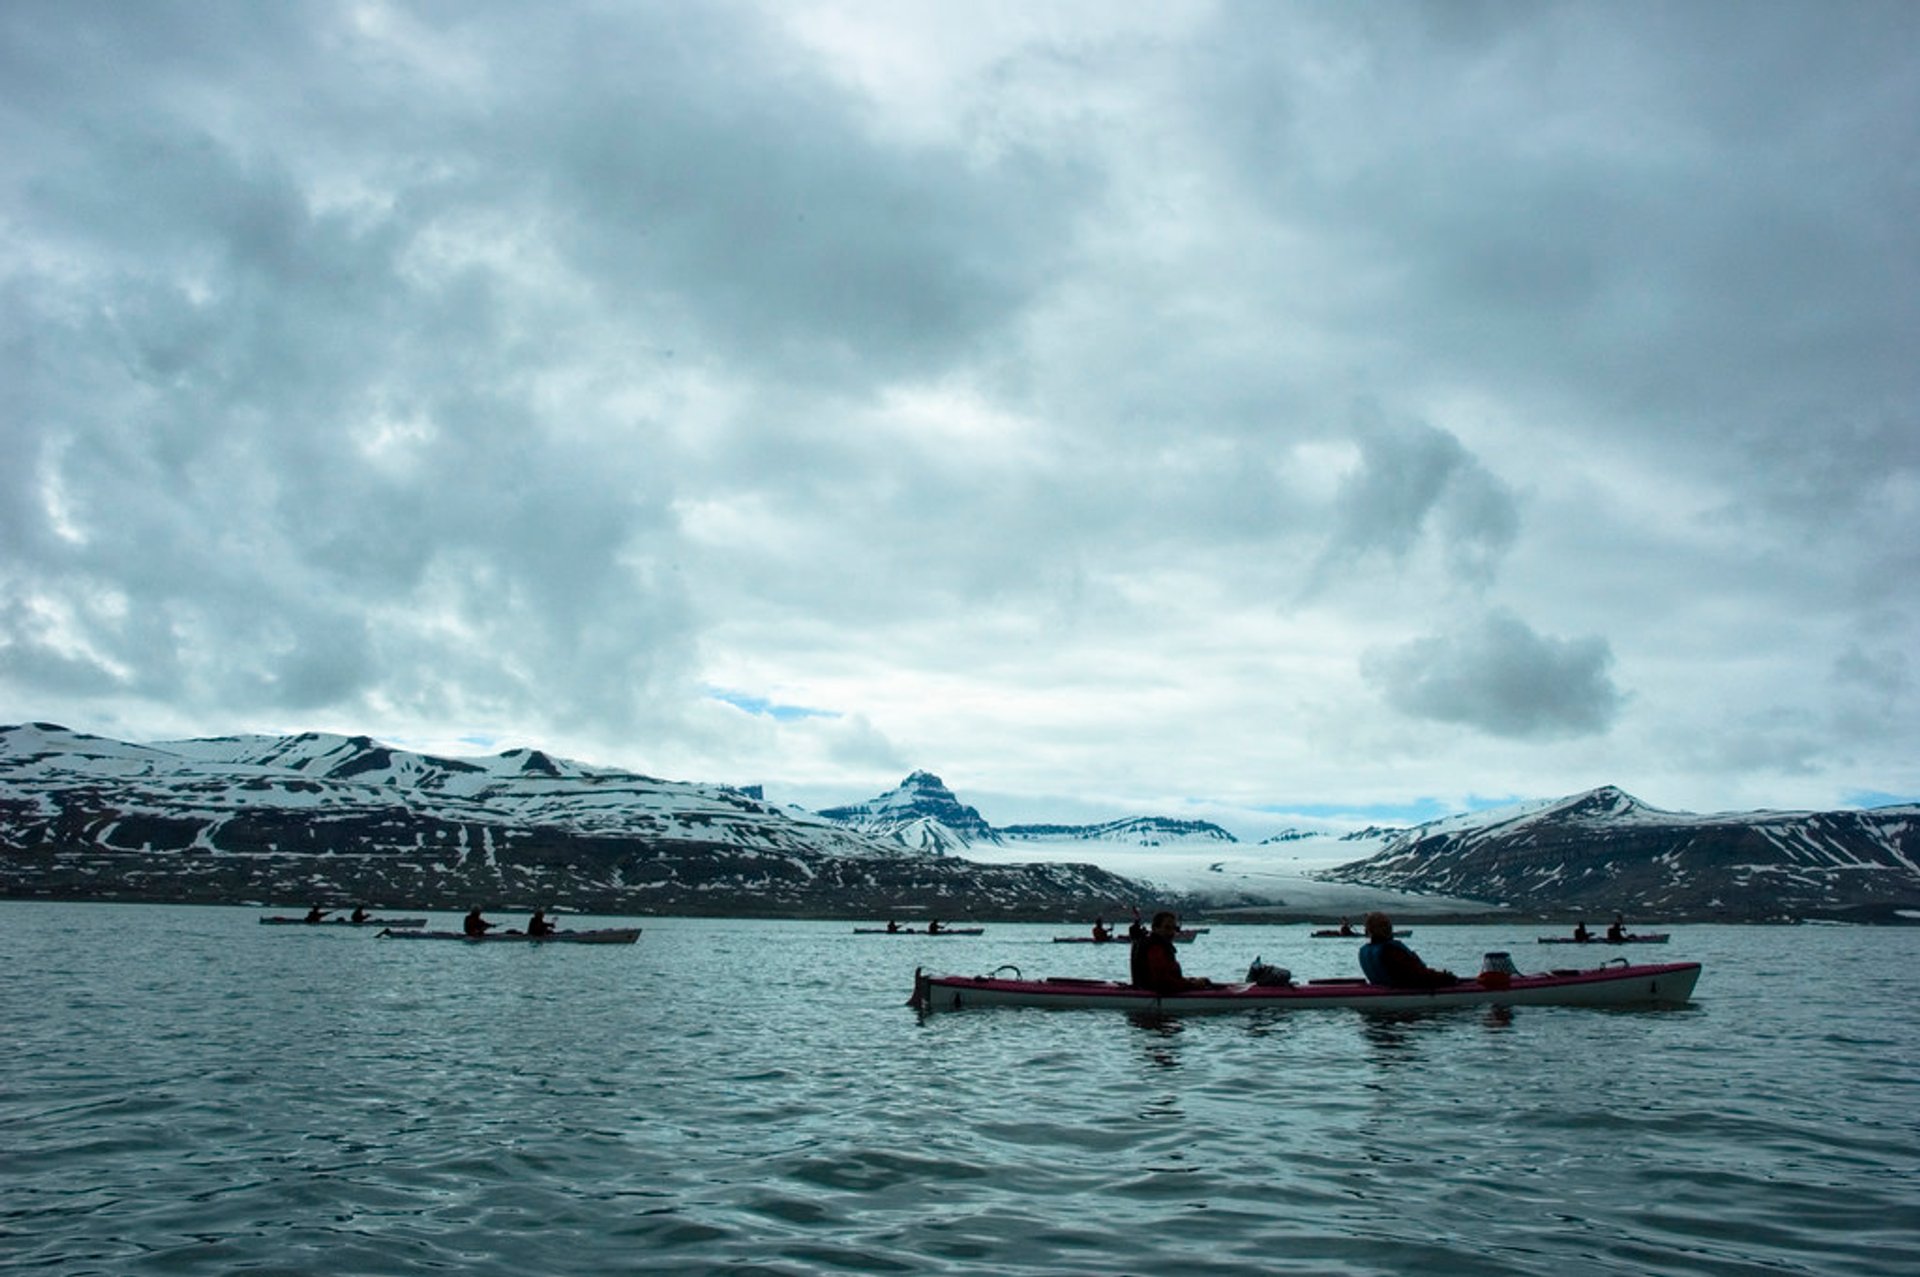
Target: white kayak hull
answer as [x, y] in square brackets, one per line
[1650, 985]
[609, 935]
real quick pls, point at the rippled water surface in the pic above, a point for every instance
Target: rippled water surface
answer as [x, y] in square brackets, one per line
[184, 1091]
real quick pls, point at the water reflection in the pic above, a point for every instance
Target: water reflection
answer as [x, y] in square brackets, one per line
[1389, 1038]
[1159, 1036]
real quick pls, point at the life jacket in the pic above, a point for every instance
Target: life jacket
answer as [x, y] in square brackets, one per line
[1372, 964]
[1155, 965]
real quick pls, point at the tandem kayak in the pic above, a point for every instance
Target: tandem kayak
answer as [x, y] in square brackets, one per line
[1355, 935]
[1611, 985]
[607, 935]
[343, 922]
[1659, 937]
[1182, 936]
[909, 931]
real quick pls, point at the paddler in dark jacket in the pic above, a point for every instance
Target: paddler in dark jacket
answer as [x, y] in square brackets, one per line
[1387, 961]
[475, 925]
[1156, 966]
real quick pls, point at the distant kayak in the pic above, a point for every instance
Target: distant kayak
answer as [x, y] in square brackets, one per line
[1612, 985]
[1182, 936]
[1659, 937]
[909, 931]
[606, 935]
[1352, 935]
[397, 923]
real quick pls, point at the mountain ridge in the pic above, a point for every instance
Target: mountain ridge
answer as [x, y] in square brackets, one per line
[320, 816]
[1605, 851]
[348, 818]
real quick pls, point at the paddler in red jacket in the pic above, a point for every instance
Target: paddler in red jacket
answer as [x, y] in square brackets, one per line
[1155, 964]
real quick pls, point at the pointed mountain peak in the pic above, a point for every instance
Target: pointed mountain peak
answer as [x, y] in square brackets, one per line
[922, 798]
[1605, 803]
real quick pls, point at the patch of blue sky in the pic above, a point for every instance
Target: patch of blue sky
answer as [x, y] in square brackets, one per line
[1417, 812]
[1868, 798]
[760, 705]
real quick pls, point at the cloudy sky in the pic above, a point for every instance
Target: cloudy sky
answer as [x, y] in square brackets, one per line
[1208, 409]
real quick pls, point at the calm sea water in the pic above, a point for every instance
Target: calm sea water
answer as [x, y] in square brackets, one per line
[184, 1091]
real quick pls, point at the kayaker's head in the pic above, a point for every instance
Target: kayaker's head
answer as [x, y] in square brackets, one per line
[1165, 924]
[1379, 926]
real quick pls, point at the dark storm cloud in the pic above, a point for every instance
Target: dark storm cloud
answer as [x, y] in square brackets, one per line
[1414, 479]
[1502, 678]
[1691, 214]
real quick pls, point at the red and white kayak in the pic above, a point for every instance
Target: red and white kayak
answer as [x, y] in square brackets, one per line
[606, 935]
[1613, 985]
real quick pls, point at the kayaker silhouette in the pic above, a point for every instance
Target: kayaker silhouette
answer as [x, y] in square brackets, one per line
[475, 925]
[1387, 961]
[1618, 930]
[317, 914]
[1156, 966]
[538, 924]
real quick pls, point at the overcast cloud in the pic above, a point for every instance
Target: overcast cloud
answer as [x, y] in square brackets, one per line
[1205, 409]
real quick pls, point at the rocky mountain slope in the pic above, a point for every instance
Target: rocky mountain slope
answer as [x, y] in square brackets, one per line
[1605, 851]
[340, 819]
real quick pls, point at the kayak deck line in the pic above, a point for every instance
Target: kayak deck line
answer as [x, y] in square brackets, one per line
[405, 923]
[909, 931]
[606, 935]
[1616, 984]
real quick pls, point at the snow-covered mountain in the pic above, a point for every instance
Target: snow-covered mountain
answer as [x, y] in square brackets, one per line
[346, 819]
[1599, 852]
[1605, 851]
[921, 813]
[340, 818]
[1193, 861]
[1133, 831]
